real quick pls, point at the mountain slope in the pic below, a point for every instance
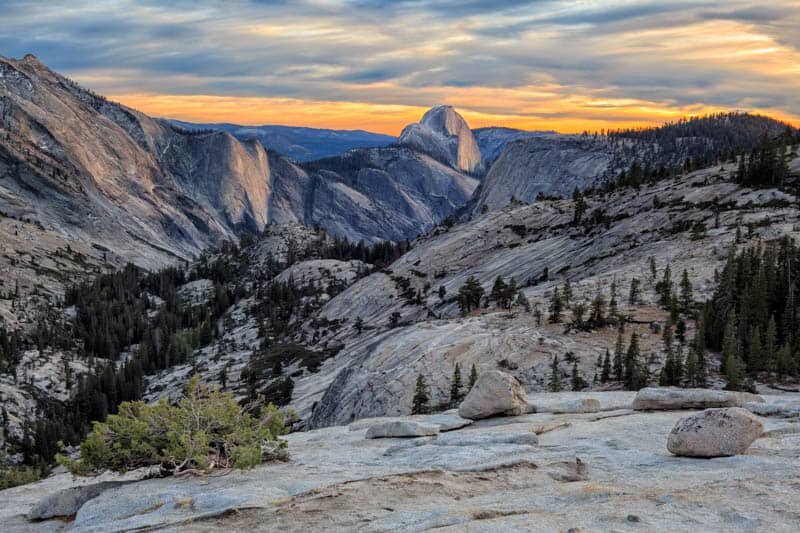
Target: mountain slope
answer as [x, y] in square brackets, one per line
[554, 164]
[100, 172]
[538, 245]
[299, 143]
[493, 140]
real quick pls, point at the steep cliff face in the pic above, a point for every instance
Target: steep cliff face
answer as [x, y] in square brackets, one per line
[100, 172]
[552, 165]
[445, 135]
[152, 192]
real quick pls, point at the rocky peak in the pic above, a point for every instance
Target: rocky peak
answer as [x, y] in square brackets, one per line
[445, 134]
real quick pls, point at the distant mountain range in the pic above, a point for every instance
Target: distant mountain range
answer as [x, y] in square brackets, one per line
[298, 143]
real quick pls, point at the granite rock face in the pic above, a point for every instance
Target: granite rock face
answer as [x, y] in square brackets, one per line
[715, 433]
[445, 135]
[663, 398]
[589, 473]
[495, 393]
[401, 428]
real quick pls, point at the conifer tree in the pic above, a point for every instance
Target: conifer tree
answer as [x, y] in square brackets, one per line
[421, 401]
[473, 377]
[555, 376]
[606, 373]
[556, 307]
[687, 298]
[635, 291]
[567, 294]
[577, 382]
[634, 375]
[455, 386]
[619, 357]
[770, 345]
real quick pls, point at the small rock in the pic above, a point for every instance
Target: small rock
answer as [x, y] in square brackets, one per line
[447, 422]
[776, 410]
[401, 428]
[495, 393]
[68, 501]
[570, 472]
[715, 433]
[585, 405]
[474, 438]
[633, 518]
[673, 399]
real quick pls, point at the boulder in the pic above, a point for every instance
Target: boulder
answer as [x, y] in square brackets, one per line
[715, 433]
[401, 428]
[447, 422]
[495, 393]
[584, 405]
[67, 502]
[673, 399]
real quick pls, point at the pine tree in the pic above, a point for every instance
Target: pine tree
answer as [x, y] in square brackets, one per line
[555, 376]
[785, 364]
[556, 307]
[578, 383]
[473, 377]
[606, 373]
[619, 358]
[692, 371]
[755, 355]
[522, 301]
[770, 344]
[687, 298]
[730, 342]
[421, 401]
[634, 376]
[455, 386]
[498, 293]
[567, 294]
[635, 291]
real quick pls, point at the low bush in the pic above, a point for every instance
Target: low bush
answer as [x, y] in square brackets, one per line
[13, 476]
[207, 429]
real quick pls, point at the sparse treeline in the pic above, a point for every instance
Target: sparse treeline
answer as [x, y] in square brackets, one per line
[757, 145]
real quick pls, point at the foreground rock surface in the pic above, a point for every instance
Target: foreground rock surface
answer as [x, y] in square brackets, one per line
[715, 433]
[400, 428]
[495, 393]
[488, 476]
[663, 398]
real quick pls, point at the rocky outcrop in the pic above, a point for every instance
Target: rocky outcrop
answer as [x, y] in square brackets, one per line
[584, 405]
[715, 433]
[663, 398]
[495, 393]
[400, 428]
[66, 502]
[445, 135]
[602, 474]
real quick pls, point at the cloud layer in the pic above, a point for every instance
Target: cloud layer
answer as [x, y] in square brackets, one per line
[376, 64]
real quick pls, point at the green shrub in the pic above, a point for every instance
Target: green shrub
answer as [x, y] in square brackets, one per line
[13, 476]
[207, 429]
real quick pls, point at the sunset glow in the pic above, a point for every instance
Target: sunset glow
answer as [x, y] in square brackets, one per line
[376, 65]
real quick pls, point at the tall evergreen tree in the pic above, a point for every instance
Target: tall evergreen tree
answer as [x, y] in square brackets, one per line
[455, 386]
[555, 375]
[473, 377]
[421, 401]
[606, 372]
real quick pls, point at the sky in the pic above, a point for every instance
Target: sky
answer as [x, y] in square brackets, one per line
[378, 65]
